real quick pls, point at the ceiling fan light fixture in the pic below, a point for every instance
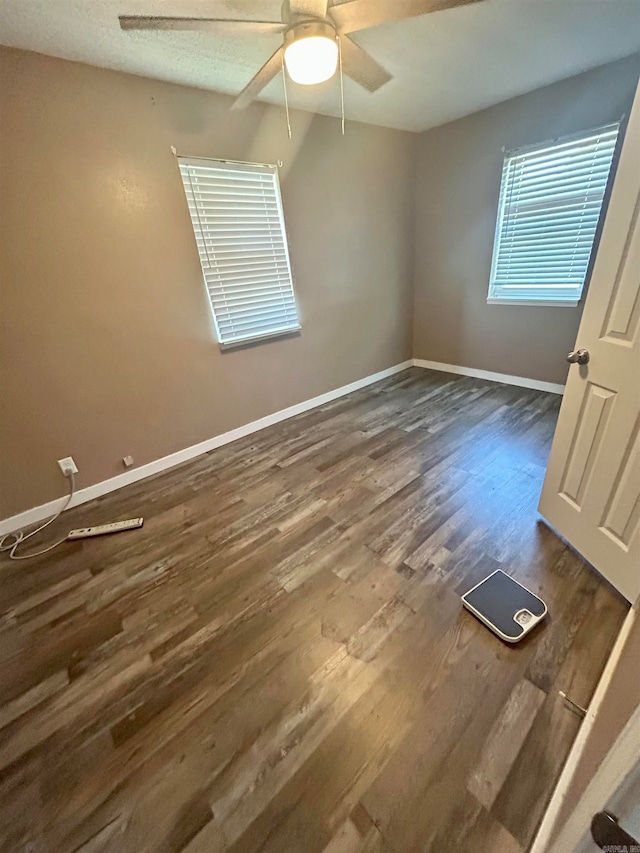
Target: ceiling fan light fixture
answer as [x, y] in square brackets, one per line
[311, 52]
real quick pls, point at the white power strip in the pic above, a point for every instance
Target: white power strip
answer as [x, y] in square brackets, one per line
[102, 529]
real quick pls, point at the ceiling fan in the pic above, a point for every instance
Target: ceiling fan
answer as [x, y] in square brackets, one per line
[315, 34]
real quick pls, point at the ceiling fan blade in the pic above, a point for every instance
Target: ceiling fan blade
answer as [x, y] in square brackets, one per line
[308, 8]
[357, 15]
[218, 25]
[257, 84]
[361, 66]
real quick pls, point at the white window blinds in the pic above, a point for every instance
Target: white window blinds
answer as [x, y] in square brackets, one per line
[236, 213]
[550, 203]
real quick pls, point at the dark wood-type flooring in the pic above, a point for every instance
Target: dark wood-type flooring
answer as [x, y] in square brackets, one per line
[279, 660]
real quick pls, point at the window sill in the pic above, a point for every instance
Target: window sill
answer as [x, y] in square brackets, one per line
[558, 303]
[260, 339]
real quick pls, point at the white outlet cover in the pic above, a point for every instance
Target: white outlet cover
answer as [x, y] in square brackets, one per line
[68, 465]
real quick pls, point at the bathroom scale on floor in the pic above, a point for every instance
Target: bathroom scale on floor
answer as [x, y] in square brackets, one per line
[505, 606]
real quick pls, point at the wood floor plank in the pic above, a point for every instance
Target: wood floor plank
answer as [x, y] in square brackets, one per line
[504, 741]
[279, 660]
[330, 782]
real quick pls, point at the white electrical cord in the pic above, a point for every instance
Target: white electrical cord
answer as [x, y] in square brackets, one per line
[20, 536]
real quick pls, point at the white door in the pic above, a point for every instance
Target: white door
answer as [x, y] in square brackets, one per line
[591, 493]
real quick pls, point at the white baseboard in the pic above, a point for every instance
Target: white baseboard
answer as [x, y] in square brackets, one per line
[506, 378]
[89, 493]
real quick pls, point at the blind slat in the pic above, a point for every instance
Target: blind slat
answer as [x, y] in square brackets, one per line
[251, 262]
[237, 220]
[546, 249]
[258, 328]
[550, 205]
[258, 304]
[253, 315]
[248, 248]
[255, 288]
[237, 276]
[556, 190]
[234, 276]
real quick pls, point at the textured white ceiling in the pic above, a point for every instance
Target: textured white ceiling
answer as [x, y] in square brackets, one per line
[445, 65]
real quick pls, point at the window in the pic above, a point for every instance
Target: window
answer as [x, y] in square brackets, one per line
[550, 203]
[236, 213]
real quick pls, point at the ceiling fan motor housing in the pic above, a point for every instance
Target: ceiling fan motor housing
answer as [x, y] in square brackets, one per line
[304, 10]
[309, 29]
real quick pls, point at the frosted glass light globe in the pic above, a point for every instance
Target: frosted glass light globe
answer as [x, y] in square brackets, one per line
[311, 59]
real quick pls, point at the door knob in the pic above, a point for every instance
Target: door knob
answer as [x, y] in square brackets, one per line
[578, 356]
[609, 835]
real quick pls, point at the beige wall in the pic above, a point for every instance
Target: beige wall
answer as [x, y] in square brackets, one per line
[106, 341]
[459, 167]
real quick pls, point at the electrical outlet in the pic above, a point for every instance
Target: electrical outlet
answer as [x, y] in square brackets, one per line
[127, 461]
[68, 466]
